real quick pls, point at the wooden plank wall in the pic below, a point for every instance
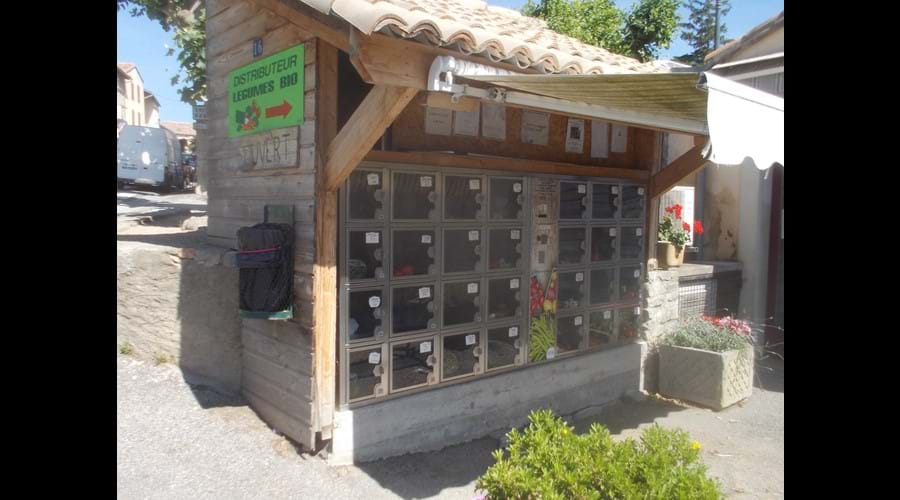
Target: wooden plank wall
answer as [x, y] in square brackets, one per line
[277, 375]
[408, 134]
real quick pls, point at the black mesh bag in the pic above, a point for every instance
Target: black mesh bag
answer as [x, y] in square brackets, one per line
[265, 260]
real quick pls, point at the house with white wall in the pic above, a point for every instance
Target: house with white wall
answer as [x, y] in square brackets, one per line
[133, 103]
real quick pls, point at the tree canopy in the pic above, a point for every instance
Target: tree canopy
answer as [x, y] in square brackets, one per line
[700, 30]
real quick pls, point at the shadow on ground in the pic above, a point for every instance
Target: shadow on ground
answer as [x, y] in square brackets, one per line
[188, 239]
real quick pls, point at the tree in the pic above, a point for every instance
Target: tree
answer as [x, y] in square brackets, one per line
[640, 33]
[700, 30]
[188, 19]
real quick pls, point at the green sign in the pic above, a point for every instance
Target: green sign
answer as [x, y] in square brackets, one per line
[267, 94]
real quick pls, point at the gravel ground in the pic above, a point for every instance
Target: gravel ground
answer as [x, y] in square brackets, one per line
[179, 441]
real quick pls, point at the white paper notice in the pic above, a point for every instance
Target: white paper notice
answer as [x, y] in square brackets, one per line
[470, 339]
[517, 187]
[475, 184]
[637, 310]
[514, 283]
[426, 238]
[424, 292]
[472, 288]
[535, 127]
[424, 347]
[514, 331]
[612, 231]
[515, 234]
[374, 358]
[493, 123]
[582, 189]
[619, 141]
[466, 122]
[639, 231]
[372, 179]
[374, 301]
[425, 181]
[437, 121]
[371, 238]
[578, 320]
[599, 139]
[575, 136]
[579, 277]
[473, 235]
[607, 314]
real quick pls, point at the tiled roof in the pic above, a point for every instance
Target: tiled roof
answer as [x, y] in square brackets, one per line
[126, 67]
[755, 33]
[474, 27]
[179, 128]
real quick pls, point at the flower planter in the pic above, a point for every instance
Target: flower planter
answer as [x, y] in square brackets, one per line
[713, 379]
[669, 255]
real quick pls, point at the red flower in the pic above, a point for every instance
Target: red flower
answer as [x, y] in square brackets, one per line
[698, 228]
[686, 226]
[670, 209]
[677, 211]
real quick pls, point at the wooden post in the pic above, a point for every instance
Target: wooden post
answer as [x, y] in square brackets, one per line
[326, 229]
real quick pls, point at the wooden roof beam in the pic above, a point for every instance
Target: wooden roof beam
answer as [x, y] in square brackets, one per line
[682, 167]
[378, 110]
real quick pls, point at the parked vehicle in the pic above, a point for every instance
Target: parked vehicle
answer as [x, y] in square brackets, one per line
[190, 161]
[152, 157]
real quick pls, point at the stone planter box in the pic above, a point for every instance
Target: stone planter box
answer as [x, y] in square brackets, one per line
[713, 379]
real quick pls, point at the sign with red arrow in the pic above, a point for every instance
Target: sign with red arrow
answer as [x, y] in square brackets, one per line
[266, 94]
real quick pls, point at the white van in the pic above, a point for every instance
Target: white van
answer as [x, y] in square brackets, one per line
[150, 156]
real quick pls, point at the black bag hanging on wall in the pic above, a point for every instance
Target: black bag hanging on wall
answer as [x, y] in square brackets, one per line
[265, 259]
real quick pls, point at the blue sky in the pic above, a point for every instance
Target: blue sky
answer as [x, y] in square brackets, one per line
[143, 42]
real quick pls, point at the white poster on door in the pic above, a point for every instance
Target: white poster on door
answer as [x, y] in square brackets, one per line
[599, 139]
[437, 121]
[619, 139]
[535, 127]
[493, 121]
[575, 136]
[466, 122]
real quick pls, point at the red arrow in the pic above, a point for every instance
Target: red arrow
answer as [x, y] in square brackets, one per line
[281, 110]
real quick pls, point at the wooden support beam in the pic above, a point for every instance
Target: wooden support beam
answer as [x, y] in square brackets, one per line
[506, 164]
[387, 61]
[328, 28]
[325, 282]
[682, 167]
[364, 127]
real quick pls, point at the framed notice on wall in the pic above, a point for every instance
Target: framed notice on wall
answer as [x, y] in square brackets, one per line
[267, 94]
[535, 127]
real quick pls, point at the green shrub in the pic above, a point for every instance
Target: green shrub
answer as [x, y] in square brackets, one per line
[126, 348]
[549, 461]
[709, 334]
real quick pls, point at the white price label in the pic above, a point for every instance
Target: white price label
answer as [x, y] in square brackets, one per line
[472, 288]
[607, 314]
[514, 331]
[473, 235]
[426, 238]
[517, 187]
[470, 339]
[515, 234]
[578, 320]
[579, 277]
[640, 191]
[637, 310]
[582, 189]
[374, 301]
[374, 358]
[424, 292]
[614, 190]
[372, 179]
[514, 283]
[637, 273]
[475, 184]
[371, 238]
[425, 181]
[424, 347]
[612, 231]
[639, 231]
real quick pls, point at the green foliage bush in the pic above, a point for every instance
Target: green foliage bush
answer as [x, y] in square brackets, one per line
[549, 461]
[707, 334]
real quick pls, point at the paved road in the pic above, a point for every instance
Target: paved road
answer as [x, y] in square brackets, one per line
[176, 441]
[134, 203]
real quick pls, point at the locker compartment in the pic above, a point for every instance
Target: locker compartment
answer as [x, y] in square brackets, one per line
[462, 250]
[412, 364]
[413, 308]
[630, 283]
[571, 290]
[366, 309]
[631, 243]
[365, 254]
[603, 286]
[461, 303]
[632, 202]
[461, 355]
[414, 252]
[569, 333]
[603, 244]
[507, 198]
[572, 246]
[504, 347]
[365, 191]
[504, 296]
[505, 248]
[628, 321]
[606, 201]
[602, 328]
[365, 372]
[463, 197]
[573, 200]
[415, 196]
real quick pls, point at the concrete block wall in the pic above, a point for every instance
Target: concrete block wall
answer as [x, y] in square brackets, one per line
[660, 315]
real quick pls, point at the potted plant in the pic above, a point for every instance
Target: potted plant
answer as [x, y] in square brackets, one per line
[707, 361]
[673, 234]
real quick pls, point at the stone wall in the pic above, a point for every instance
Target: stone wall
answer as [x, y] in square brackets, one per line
[660, 315]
